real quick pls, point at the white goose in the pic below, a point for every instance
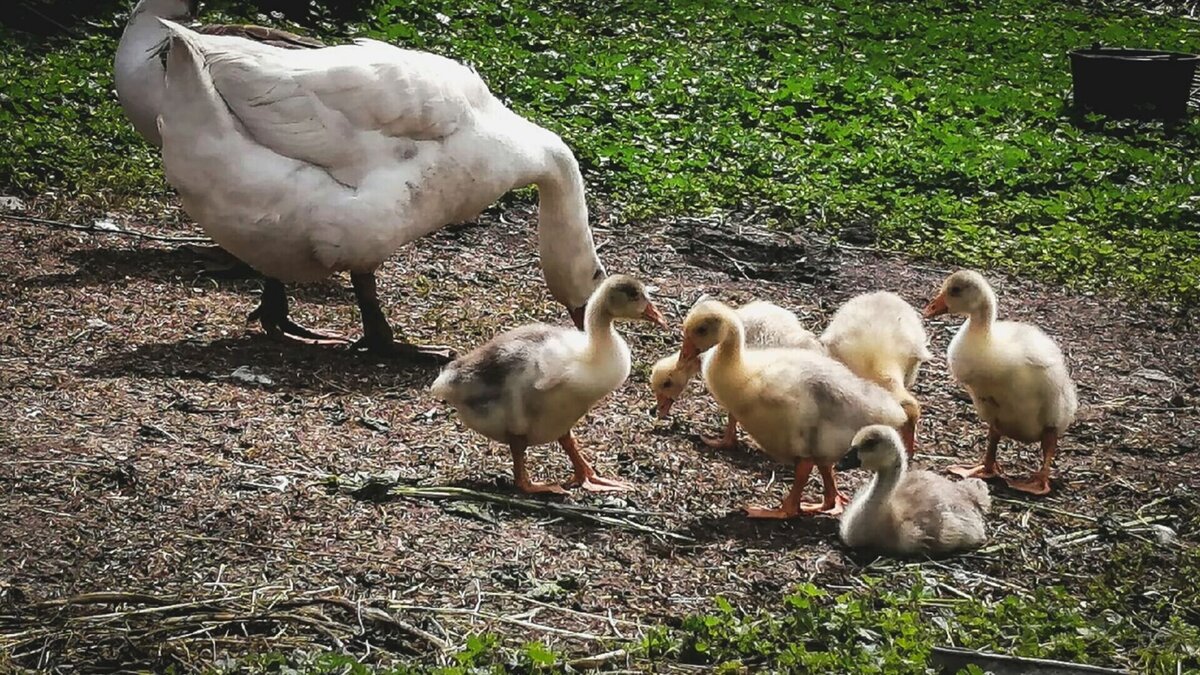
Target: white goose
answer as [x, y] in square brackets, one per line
[139, 75]
[138, 70]
[303, 163]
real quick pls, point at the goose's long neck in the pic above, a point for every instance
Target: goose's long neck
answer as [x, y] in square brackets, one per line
[981, 320]
[564, 236]
[138, 71]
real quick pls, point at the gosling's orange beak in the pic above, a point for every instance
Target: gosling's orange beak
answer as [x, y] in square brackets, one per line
[936, 306]
[664, 404]
[688, 350]
[652, 314]
[577, 316]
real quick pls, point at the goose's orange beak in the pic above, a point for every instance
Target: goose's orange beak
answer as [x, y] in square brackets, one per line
[936, 306]
[664, 405]
[652, 314]
[577, 316]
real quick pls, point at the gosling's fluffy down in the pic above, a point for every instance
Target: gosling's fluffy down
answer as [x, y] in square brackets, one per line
[906, 512]
[766, 325]
[880, 337]
[535, 382]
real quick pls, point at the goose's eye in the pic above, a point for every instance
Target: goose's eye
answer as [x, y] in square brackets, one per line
[956, 291]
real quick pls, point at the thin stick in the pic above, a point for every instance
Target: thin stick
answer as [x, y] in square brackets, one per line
[96, 230]
[599, 659]
[504, 619]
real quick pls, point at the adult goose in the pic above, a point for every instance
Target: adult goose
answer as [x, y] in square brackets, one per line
[138, 72]
[304, 163]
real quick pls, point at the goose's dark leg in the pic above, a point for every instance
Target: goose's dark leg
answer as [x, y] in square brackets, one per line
[272, 313]
[377, 333]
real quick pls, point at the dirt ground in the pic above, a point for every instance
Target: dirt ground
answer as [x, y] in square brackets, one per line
[133, 461]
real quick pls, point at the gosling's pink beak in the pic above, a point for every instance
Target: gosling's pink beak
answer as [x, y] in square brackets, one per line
[936, 306]
[664, 404]
[577, 316]
[652, 314]
[688, 350]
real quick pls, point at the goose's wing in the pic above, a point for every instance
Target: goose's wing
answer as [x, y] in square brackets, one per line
[271, 36]
[342, 108]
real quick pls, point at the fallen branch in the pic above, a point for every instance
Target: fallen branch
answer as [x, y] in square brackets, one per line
[589, 514]
[1130, 527]
[124, 232]
[168, 619]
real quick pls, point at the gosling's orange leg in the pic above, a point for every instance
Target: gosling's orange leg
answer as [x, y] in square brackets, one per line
[834, 501]
[521, 476]
[792, 504]
[728, 441]
[585, 476]
[1039, 482]
[912, 415]
[990, 468]
[908, 434]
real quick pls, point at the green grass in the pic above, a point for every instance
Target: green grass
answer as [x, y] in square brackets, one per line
[943, 126]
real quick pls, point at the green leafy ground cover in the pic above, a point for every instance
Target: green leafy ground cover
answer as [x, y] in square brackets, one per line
[884, 626]
[944, 127]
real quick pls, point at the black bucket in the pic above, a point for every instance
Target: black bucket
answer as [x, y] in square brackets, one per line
[1136, 83]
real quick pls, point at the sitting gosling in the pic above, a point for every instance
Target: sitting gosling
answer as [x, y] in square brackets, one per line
[909, 512]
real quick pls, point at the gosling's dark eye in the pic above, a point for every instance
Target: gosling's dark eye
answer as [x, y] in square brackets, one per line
[633, 294]
[597, 274]
[956, 291]
[702, 330]
[668, 383]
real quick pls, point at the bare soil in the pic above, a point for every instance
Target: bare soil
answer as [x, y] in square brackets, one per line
[133, 461]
